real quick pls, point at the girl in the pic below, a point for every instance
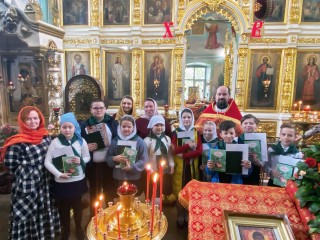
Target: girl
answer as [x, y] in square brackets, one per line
[209, 140]
[187, 148]
[69, 185]
[159, 149]
[127, 107]
[123, 169]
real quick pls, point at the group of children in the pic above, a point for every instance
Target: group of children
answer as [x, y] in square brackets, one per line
[182, 153]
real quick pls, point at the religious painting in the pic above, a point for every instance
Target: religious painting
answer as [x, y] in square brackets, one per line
[75, 12]
[157, 12]
[307, 85]
[117, 75]
[116, 12]
[246, 226]
[277, 14]
[310, 11]
[157, 75]
[77, 63]
[264, 75]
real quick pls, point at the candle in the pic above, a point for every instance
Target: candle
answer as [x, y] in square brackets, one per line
[96, 205]
[101, 198]
[161, 182]
[148, 182]
[294, 107]
[315, 115]
[154, 191]
[300, 103]
[308, 108]
[118, 218]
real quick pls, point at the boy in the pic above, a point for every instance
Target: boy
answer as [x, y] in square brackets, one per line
[228, 134]
[249, 124]
[285, 147]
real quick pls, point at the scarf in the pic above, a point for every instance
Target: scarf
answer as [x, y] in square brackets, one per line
[94, 121]
[155, 108]
[278, 149]
[121, 112]
[132, 136]
[181, 126]
[159, 144]
[222, 144]
[71, 118]
[25, 134]
[65, 142]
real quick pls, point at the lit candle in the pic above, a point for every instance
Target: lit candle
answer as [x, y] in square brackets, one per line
[308, 108]
[96, 205]
[118, 218]
[148, 181]
[315, 115]
[300, 103]
[126, 189]
[294, 107]
[154, 191]
[161, 182]
[101, 198]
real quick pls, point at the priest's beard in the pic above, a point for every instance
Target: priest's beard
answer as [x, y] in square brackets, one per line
[222, 104]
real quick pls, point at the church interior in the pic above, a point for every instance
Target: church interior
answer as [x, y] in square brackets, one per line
[59, 55]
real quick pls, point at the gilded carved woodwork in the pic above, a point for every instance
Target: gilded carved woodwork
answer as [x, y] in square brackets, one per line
[294, 12]
[136, 12]
[94, 13]
[309, 40]
[181, 10]
[268, 40]
[96, 63]
[270, 128]
[159, 41]
[116, 41]
[136, 60]
[77, 41]
[178, 54]
[288, 79]
[240, 85]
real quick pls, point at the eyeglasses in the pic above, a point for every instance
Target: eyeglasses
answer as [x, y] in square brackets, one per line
[98, 108]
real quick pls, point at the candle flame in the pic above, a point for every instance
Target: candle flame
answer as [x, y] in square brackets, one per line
[163, 163]
[155, 178]
[148, 167]
[300, 102]
[125, 183]
[295, 104]
[96, 204]
[119, 207]
[101, 197]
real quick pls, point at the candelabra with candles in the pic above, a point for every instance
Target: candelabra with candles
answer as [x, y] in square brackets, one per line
[56, 130]
[128, 219]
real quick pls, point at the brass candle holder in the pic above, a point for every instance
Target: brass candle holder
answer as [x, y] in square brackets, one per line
[134, 218]
[56, 130]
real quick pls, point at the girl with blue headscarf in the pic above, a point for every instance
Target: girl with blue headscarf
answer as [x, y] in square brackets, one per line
[66, 160]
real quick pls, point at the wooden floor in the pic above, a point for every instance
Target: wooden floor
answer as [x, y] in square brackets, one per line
[173, 233]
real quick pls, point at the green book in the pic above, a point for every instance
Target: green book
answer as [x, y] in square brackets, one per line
[69, 166]
[206, 147]
[95, 137]
[286, 171]
[131, 154]
[218, 157]
[57, 162]
[254, 147]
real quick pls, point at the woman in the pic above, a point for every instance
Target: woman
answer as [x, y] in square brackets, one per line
[32, 215]
[126, 107]
[150, 110]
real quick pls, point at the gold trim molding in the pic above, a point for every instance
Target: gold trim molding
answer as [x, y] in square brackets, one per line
[268, 40]
[95, 55]
[178, 54]
[309, 40]
[77, 41]
[240, 83]
[181, 10]
[136, 60]
[270, 128]
[136, 12]
[159, 41]
[94, 13]
[289, 73]
[116, 41]
[294, 12]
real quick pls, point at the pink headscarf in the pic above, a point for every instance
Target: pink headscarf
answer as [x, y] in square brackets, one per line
[155, 108]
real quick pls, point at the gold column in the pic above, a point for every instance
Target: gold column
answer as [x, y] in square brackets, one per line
[295, 12]
[136, 59]
[136, 12]
[240, 84]
[181, 10]
[95, 54]
[288, 79]
[178, 54]
[94, 14]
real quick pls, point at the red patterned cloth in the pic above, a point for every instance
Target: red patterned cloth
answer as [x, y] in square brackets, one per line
[207, 201]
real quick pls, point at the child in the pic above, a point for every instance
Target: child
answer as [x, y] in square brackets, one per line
[228, 134]
[249, 124]
[187, 148]
[127, 137]
[159, 146]
[209, 140]
[285, 147]
[68, 189]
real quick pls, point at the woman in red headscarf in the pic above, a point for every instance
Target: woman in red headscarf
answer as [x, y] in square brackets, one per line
[32, 215]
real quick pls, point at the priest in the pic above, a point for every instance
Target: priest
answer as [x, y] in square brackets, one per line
[223, 108]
